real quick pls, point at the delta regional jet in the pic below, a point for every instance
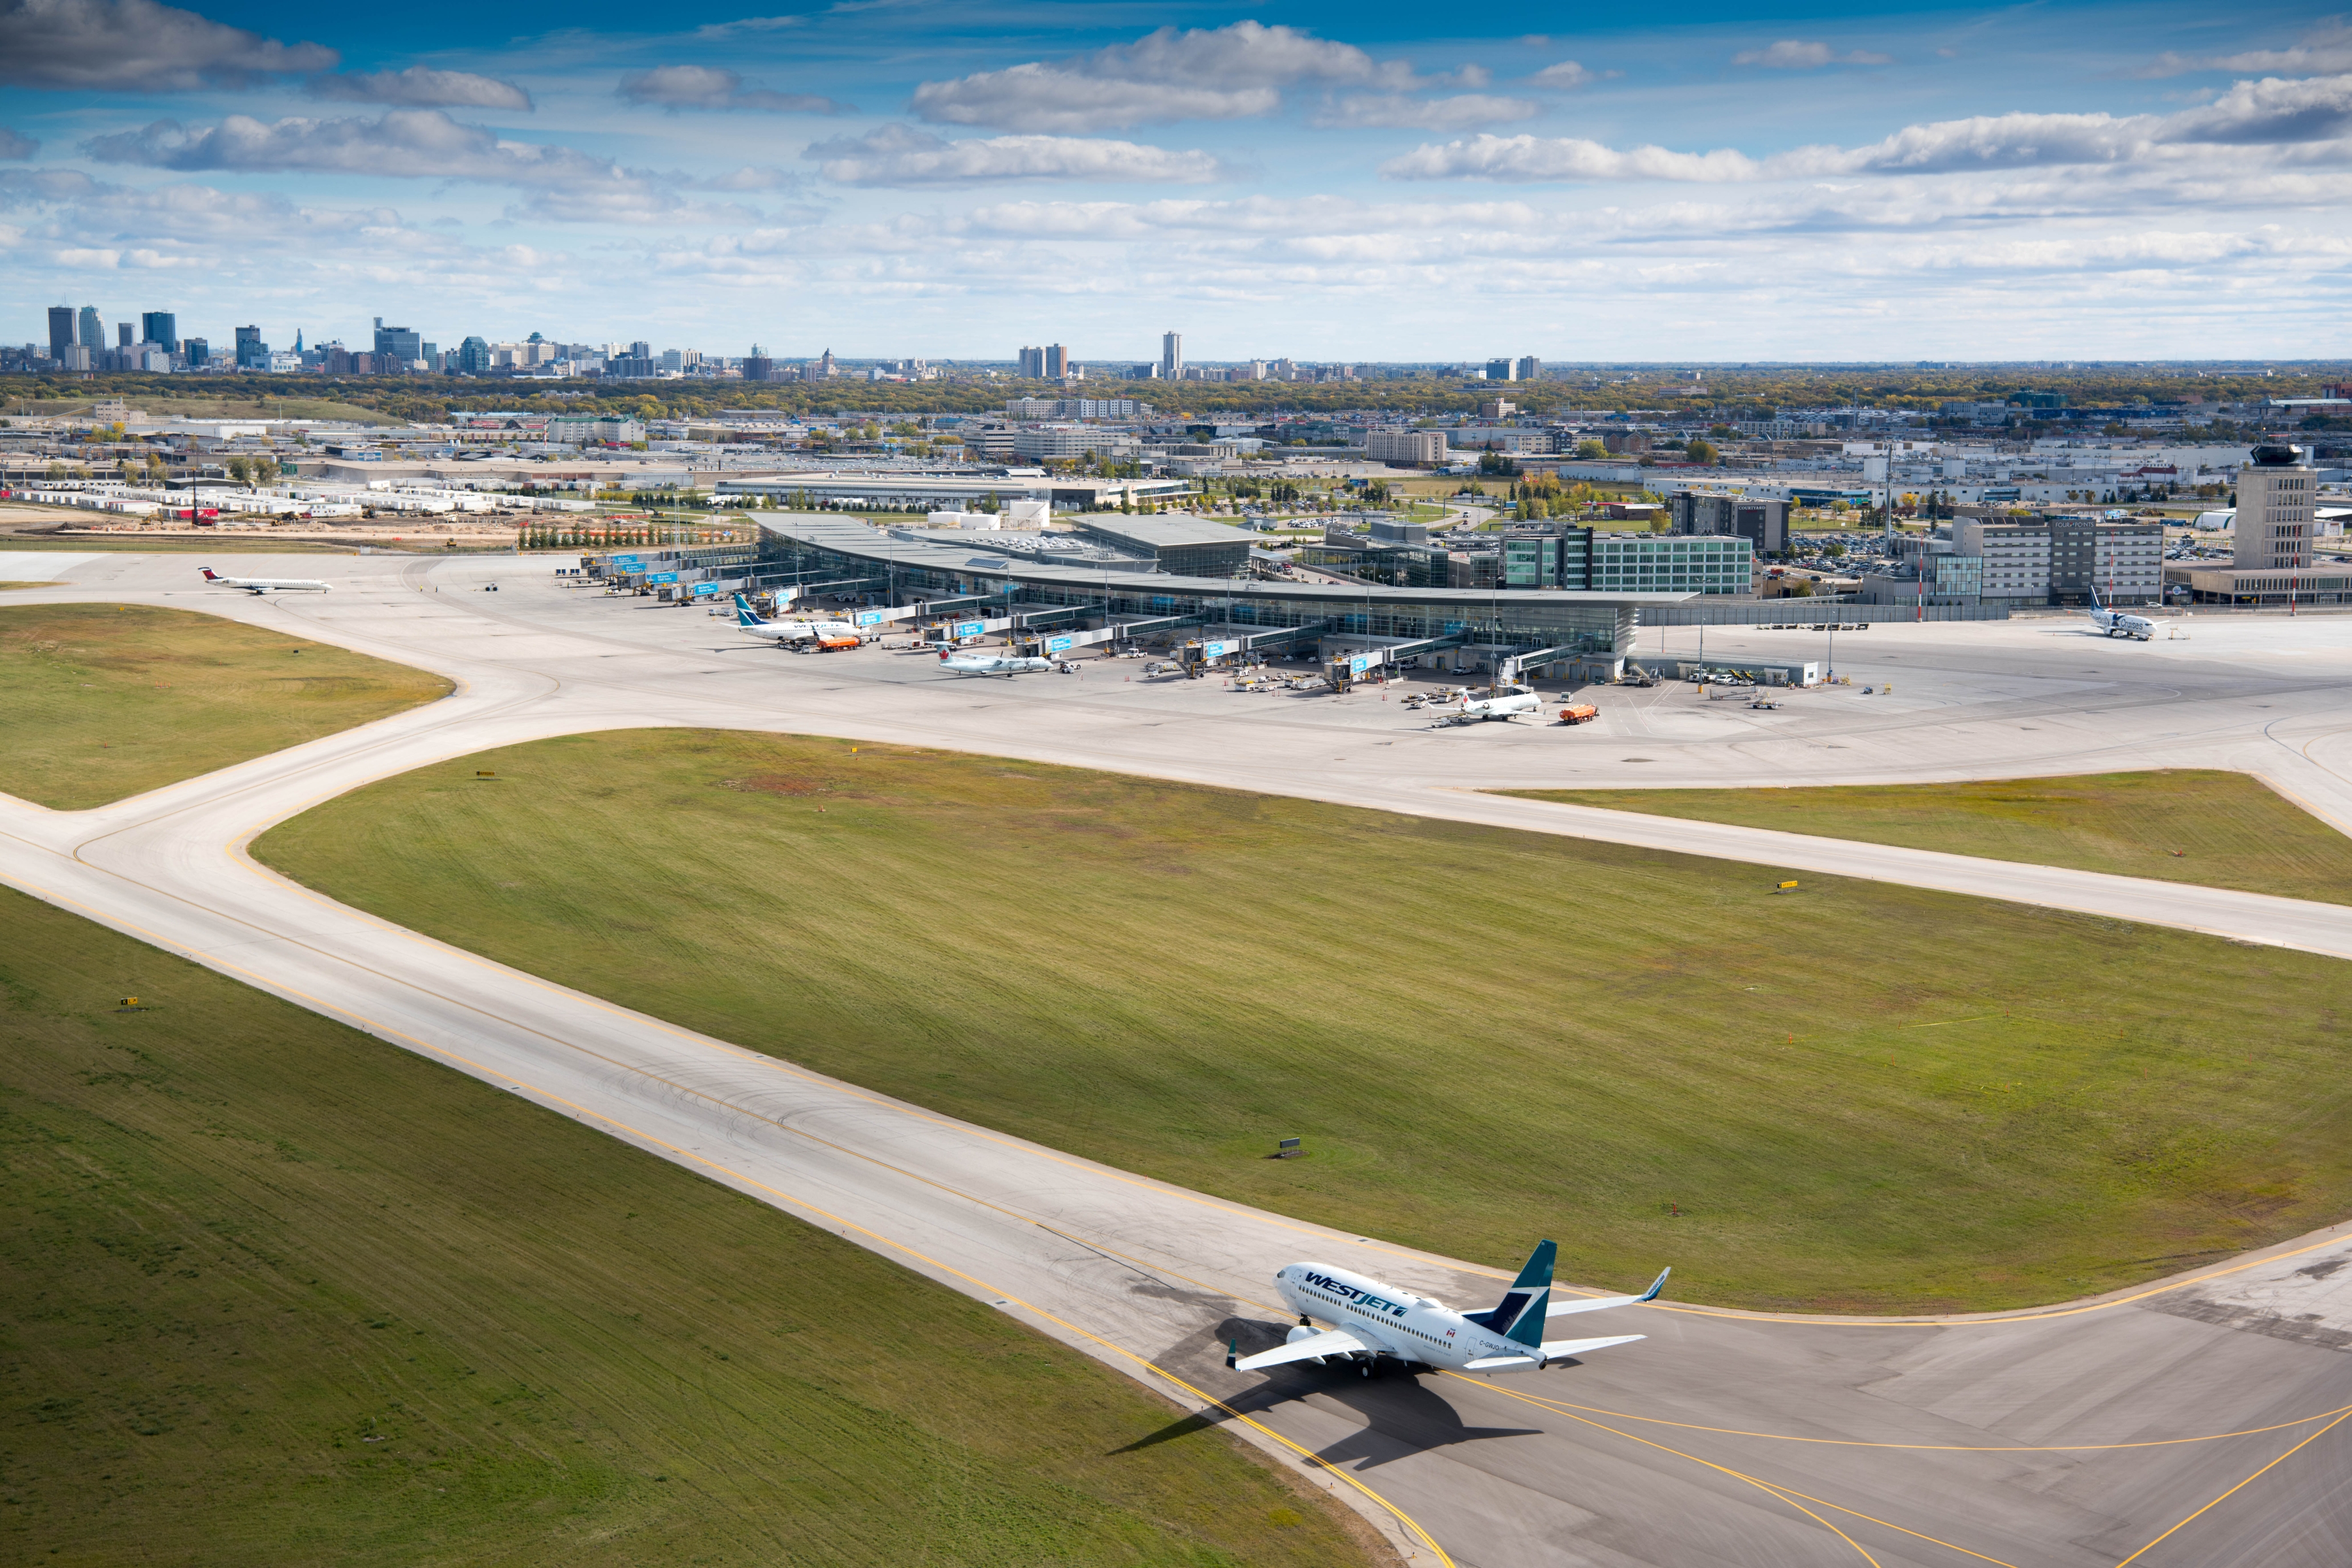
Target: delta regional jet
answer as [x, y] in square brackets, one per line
[1373, 1319]
[259, 585]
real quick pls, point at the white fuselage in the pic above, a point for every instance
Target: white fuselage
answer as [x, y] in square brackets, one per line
[2115, 623]
[1404, 1325]
[1475, 709]
[269, 585]
[798, 631]
[992, 664]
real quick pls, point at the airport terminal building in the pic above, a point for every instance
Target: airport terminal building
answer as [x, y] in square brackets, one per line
[827, 551]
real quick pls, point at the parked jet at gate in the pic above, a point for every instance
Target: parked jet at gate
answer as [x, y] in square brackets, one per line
[1005, 665]
[1504, 706]
[259, 585]
[2115, 623]
[1373, 1320]
[823, 635]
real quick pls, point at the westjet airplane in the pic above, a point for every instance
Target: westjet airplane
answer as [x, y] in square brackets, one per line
[258, 586]
[2115, 623]
[1374, 1320]
[823, 635]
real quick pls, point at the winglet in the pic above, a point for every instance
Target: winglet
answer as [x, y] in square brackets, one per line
[1655, 1286]
[1233, 1349]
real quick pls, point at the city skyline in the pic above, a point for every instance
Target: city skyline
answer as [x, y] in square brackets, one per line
[1336, 188]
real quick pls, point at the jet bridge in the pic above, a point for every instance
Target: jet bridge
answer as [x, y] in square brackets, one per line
[1344, 671]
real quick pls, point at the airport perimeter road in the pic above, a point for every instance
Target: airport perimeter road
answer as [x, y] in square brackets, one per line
[2096, 1436]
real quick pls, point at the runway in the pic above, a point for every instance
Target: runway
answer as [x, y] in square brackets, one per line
[2080, 1437]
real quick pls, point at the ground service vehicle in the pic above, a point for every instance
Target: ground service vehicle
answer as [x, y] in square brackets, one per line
[1579, 713]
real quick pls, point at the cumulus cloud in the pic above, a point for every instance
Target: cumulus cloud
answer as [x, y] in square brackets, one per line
[420, 87]
[2326, 49]
[900, 155]
[1557, 158]
[1565, 76]
[139, 45]
[674, 87]
[1376, 110]
[2301, 120]
[1203, 73]
[405, 144]
[16, 144]
[1795, 54]
[753, 177]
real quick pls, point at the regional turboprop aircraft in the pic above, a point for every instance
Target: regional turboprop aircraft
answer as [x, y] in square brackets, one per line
[827, 634]
[1504, 706]
[1374, 1320]
[259, 585]
[1007, 665]
[2115, 623]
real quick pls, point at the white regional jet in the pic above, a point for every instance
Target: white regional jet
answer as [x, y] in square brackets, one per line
[2115, 623]
[827, 636]
[258, 586]
[1006, 665]
[1376, 1320]
[1505, 707]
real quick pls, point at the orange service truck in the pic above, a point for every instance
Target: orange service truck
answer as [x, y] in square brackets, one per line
[1578, 713]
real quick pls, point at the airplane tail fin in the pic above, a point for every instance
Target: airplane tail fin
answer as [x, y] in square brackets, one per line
[209, 577]
[1520, 1314]
[743, 615]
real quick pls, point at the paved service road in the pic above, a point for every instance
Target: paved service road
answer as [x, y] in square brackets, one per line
[2076, 1436]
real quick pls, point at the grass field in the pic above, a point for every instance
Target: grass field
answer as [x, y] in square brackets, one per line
[100, 701]
[1861, 1096]
[2230, 829]
[281, 1293]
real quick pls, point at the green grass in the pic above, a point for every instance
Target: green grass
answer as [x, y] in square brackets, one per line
[174, 544]
[101, 701]
[1860, 1096]
[2231, 830]
[281, 1294]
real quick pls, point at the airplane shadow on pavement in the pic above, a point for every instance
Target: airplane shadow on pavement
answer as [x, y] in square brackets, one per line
[1403, 1416]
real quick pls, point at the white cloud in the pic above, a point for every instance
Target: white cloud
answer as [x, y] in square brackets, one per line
[16, 144]
[700, 86]
[751, 177]
[139, 45]
[2325, 50]
[1795, 54]
[2303, 122]
[899, 156]
[747, 25]
[405, 144]
[1204, 73]
[1374, 111]
[420, 87]
[1555, 157]
[1565, 76]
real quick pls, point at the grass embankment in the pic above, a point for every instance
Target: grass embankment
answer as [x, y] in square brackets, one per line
[1860, 1096]
[101, 701]
[280, 1292]
[2230, 830]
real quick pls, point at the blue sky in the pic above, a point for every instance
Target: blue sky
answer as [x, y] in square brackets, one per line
[897, 177]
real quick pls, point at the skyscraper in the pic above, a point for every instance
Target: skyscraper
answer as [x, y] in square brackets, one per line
[252, 353]
[1527, 368]
[474, 356]
[122, 332]
[396, 347]
[1058, 361]
[93, 331]
[1032, 364]
[1171, 356]
[61, 330]
[160, 326]
[1500, 370]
